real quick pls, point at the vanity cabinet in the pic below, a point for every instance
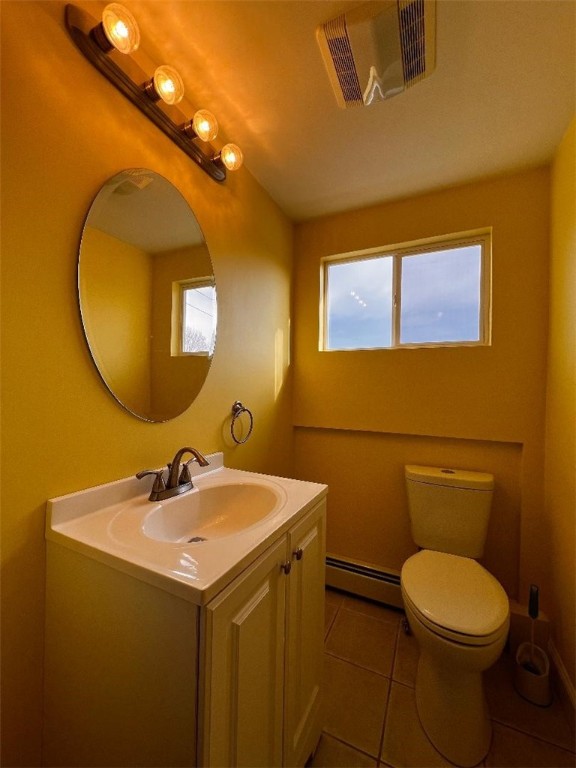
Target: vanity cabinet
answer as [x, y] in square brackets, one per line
[263, 645]
[136, 675]
[305, 637]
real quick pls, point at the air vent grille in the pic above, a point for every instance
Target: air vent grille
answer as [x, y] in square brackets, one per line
[343, 59]
[412, 39]
[378, 49]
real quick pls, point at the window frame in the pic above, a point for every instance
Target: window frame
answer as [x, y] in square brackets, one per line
[398, 252]
[179, 289]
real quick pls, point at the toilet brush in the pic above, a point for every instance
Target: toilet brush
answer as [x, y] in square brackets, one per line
[530, 665]
[532, 671]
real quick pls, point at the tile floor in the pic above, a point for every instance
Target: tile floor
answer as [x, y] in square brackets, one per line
[371, 717]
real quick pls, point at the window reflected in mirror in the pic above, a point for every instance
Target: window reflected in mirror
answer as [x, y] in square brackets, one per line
[197, 315]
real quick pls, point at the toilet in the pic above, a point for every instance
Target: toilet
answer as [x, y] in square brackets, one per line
[457, 611]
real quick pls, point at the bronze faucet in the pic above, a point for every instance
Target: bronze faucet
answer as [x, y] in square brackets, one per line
[175, 477]
[179, 480]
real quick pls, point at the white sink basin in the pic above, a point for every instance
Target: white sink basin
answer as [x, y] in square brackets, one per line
[192, 545]
[212, 512]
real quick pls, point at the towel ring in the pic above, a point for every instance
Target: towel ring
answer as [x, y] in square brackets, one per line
[237, 410]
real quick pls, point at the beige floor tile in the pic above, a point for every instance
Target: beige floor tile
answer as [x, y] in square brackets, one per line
[405, 744]
[508, 708]
[371, 608]
[406, 658]
[515, 749]
[332, 753]
[363, 640]
[333, 597]
[355, 704]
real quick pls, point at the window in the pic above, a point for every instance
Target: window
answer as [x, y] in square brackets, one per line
[195, 302]
[417, 294]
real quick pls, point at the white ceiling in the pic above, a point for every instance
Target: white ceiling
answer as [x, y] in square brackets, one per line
[500, 99]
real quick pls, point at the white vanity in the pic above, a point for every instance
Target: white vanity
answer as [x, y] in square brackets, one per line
[189, 631]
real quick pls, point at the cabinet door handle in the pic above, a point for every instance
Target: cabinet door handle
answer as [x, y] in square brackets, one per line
[298, 554]
[286, 567]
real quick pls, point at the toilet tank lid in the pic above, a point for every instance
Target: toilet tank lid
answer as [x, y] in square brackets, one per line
[458, 478]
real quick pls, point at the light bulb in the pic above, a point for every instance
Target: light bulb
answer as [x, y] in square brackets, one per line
[205, 125]
[120, 29]
[230, 156]
[166, 85]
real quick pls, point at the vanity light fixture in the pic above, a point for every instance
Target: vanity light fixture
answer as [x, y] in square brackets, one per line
[203, 126]
[156, 94]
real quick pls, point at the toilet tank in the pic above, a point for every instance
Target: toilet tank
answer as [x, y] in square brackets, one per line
[449, 508]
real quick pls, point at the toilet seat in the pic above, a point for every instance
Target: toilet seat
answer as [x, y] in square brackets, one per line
[455, 597]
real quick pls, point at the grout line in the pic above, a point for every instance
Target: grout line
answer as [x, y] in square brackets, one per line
[395, 620]
[356, 664]
[387, 709]
[329, 628]
[350, 746]
[531, 735]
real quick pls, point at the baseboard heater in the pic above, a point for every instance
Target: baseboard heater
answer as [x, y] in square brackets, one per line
[364, 580]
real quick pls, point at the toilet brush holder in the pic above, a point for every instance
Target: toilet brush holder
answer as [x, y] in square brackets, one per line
[532, 674]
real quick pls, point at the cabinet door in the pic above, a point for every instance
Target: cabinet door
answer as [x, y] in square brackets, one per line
[305, 637]
[243, 670]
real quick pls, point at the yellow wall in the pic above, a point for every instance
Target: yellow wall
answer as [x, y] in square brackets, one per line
[115, 288]
[360, 416]
[65, 130]
[560, 488]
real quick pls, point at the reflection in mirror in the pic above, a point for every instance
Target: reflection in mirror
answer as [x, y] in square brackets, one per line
[147, 295]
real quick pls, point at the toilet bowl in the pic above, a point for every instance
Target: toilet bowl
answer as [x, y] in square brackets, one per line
[459, 615]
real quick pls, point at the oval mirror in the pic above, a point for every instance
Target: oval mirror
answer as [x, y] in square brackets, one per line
[147, 295]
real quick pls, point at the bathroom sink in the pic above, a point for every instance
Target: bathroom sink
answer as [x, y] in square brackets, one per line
[193, 544]
[212, 512]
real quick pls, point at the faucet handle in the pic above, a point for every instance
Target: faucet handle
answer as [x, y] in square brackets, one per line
[159, 484]
[185, 476]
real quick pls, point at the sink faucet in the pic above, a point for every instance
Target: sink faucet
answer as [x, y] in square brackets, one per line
[178, 480]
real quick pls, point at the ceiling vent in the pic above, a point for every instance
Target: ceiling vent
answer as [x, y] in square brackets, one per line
[378, 49]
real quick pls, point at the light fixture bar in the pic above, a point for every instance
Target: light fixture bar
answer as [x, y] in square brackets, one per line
[79, 23]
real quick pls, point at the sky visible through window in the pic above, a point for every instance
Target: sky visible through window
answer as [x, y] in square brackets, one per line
[199, 320]
[440, 299]
[360, 304]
